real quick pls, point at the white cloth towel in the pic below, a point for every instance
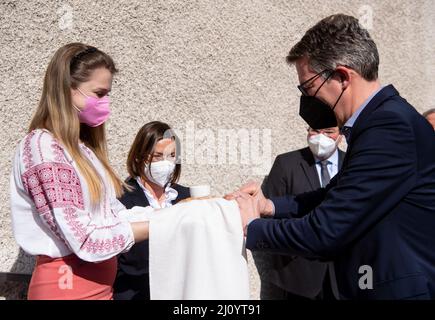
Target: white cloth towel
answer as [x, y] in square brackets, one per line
[197, 251]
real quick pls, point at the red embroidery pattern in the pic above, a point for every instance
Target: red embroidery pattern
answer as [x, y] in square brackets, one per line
[49, 220]
[39, 146]
[106, 245]
[90, 245]
[53, 185]
[58, 152]
[56, 185]
[27, 152]
[71, 218]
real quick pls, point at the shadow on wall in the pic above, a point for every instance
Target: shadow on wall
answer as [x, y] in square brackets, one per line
[14, 284]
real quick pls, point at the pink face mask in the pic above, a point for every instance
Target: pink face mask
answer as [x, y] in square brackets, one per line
[96, 110]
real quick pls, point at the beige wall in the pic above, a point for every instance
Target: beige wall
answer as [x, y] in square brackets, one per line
[198, 65]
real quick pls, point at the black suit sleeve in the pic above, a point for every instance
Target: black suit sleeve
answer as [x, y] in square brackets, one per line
[299, 205]
[380, 171]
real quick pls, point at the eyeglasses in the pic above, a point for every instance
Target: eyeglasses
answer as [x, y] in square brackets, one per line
[302, 86]
[326, 132]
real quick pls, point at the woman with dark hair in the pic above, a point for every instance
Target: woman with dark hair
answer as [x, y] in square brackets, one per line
[154, 169]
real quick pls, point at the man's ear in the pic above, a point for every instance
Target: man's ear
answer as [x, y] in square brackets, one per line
[344, 75]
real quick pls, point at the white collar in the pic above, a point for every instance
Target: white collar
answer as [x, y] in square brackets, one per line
[350, 122]
[170, 195]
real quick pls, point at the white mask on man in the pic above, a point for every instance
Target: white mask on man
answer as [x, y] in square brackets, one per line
[160, 172]
[322, 146]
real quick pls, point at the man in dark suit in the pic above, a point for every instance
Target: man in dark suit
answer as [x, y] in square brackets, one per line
[299, 171]
[376, 218]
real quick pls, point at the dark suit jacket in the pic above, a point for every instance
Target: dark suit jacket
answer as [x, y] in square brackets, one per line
[132, 280]
[294, 173]
[378, 212]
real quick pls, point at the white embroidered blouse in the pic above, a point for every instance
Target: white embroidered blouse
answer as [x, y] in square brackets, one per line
[50, 204]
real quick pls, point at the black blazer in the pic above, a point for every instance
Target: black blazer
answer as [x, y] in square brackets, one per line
[132, 277]
[294, 173]
[376, 218]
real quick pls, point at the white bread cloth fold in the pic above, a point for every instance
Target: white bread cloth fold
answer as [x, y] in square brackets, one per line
[197, 251]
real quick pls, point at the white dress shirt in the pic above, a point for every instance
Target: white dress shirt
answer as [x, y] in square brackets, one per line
[170, 195]
[332, 165]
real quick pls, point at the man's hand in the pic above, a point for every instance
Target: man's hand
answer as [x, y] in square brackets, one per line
[249, 208]
[252, 188]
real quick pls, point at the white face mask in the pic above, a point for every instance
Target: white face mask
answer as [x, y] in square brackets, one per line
[160, 172]
[322, 146]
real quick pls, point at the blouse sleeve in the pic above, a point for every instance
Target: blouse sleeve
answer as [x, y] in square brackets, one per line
[55, 188]
[135, 214]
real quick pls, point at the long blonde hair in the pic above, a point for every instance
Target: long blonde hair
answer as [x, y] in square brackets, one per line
[71, 65]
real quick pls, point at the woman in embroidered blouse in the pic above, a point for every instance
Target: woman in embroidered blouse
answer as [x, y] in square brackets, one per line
[63, 190]
[154, 169]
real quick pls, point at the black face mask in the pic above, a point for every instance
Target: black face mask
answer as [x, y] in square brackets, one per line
[316, 113]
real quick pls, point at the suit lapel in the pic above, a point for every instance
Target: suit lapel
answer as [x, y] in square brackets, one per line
[309, 167]
[340, 159]
[138, 193]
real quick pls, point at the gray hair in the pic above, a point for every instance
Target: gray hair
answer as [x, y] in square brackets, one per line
[338, 40]
[428, 112]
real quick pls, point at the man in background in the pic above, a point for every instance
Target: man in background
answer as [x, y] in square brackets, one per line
[295, 172]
